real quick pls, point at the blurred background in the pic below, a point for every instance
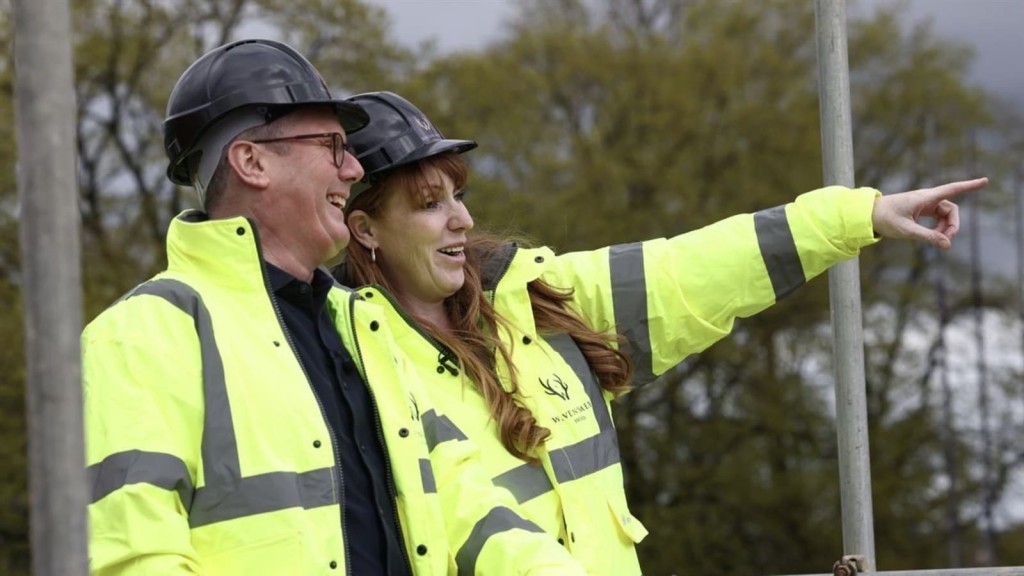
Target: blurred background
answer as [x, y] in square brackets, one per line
[607, 121]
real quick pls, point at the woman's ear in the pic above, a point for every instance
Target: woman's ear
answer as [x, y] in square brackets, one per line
[361, 227]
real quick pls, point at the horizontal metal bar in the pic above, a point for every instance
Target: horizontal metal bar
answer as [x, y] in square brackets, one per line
[995, 571]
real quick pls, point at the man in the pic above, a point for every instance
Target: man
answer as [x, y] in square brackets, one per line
[244, 415]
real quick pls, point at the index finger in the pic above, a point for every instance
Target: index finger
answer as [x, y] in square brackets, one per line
[953, 189]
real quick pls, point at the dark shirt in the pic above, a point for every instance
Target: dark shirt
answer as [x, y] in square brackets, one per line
[367, 505]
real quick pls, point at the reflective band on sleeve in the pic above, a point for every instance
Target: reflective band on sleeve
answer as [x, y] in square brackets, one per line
[525, 482]
[778, 250]
[138, 467]
[498, 520]
[629, 297]
[263, 493]
[427, 473]
[439, 429]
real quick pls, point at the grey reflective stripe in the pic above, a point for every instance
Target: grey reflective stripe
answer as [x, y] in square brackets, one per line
[138, 467]
[498, 520]
[525, 482]
[778, 249]
[585, 457]
[219, 448]
[629, 297]
[596, 452]
[439, 429]
[427, 473]
[226, 494]
[263, 493]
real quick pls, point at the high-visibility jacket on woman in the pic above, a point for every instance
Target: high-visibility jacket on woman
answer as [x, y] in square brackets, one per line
[670, 298]
[208, 452]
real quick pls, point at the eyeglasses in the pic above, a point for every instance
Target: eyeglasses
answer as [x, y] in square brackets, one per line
[338, 144]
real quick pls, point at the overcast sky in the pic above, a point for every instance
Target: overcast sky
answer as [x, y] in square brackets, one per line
[995, 28]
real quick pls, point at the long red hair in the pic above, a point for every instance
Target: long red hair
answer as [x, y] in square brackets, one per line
[475, 339]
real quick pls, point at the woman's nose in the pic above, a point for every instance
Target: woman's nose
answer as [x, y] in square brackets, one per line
[460, 219]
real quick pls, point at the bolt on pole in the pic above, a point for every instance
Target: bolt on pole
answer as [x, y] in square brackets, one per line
[51, 285]
[844, 289]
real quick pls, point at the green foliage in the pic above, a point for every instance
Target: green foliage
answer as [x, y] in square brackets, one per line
[655, 131]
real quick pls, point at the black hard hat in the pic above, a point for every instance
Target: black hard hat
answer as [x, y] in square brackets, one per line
[265, 77]
[398, 134]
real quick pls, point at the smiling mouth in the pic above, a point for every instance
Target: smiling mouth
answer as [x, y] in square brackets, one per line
[337, 200]
[454, 251]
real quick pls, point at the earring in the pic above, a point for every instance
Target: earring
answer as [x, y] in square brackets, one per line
[373, 254]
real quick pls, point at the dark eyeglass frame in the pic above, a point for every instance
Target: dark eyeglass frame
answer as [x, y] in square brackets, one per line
[339, 146]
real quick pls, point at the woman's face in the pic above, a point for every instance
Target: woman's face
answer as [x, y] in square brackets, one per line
[421, 238]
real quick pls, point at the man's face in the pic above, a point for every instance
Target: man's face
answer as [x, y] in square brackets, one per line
[302, 211]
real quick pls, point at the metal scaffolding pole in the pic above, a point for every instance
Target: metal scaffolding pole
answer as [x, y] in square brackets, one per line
[844, 289]
[51, 274]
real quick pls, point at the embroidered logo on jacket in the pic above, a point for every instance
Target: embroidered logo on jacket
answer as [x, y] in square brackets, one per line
[562, 391]
[575, 414]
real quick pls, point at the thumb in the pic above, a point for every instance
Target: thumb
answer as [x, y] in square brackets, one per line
[935, 238]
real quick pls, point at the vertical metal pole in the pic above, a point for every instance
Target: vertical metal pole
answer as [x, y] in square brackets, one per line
[989, 496]
[52, 278]
[1018, 193]
[844, 289]
[949, 438]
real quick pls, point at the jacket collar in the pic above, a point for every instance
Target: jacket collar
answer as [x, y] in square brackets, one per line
[223, 251]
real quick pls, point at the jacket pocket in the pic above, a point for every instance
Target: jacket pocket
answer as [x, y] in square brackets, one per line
[629, 527]
[276, 556]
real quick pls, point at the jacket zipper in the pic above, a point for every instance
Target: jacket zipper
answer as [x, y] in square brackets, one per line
[379, 429]
[340, 492]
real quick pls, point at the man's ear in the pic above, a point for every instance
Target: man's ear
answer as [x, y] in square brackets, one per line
[362, 229]
[249, 163]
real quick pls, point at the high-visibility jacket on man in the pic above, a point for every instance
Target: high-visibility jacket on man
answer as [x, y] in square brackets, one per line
[208, 453]
[670, 298]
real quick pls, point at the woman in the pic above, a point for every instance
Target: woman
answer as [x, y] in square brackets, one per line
[523, 349]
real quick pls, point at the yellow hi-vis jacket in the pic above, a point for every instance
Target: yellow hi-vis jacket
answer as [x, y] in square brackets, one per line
[208, 452]
[670, 298]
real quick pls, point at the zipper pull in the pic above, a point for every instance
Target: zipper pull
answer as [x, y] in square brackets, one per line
[444, 361]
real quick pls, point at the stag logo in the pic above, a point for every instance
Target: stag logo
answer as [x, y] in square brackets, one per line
[562, 391]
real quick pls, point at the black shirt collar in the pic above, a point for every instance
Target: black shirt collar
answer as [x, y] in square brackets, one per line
[284, 284]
